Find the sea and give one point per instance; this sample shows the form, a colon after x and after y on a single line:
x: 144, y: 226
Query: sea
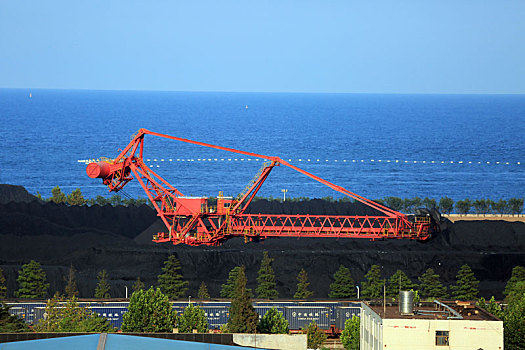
x: 375, y: 145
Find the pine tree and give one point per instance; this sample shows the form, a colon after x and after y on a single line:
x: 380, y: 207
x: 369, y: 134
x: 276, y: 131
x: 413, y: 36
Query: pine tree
x: 373, y: 286
x: 103, y: 287
x: 76, y: 198
x: 3, y: 286
x: 343, y: 286
x: 203, y: 293
x: 228, y: 289
x: 137, y: 285
x: 58, y: 196
x: 171, y: 282
x: 266, y: 279
x: 273, y: 322
x: 466, y: 287
x: 518, y: 275
x: 397, y: 282
x: 243, y: 317
x: 193, y: 318
x: 32, y: 281
x: 430, y: 286
x: 302, y: 286
x: 71, y: 289
x: 149, y: 311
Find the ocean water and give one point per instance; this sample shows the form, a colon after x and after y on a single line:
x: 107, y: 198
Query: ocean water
x: 461, y: 146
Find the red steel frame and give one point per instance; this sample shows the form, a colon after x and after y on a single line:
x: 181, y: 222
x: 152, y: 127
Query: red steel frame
x: 210, y: 226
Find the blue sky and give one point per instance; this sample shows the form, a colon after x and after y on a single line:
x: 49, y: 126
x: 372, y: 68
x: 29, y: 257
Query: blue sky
x: 417, y: 46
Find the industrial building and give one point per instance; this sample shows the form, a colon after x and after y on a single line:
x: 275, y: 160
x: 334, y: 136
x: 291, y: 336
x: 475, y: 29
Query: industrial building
x: 433, y: 325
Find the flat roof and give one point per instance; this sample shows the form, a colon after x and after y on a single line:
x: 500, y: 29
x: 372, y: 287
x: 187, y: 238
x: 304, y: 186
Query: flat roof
x: 468, y: 310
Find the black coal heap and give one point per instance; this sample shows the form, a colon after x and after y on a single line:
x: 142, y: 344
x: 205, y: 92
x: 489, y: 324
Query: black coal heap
x: 118, y: 239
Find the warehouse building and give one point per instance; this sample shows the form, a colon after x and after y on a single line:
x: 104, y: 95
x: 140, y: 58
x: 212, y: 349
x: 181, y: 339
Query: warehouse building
x: 436, y: 325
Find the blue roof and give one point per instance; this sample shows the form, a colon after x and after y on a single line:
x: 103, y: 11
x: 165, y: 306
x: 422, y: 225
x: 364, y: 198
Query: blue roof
x: 113, y: 342
x: 78, y: 342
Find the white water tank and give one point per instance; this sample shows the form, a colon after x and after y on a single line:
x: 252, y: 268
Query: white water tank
x: 406, y: 302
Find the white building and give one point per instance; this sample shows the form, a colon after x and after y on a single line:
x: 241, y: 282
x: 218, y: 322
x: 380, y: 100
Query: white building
x: 436, y: 326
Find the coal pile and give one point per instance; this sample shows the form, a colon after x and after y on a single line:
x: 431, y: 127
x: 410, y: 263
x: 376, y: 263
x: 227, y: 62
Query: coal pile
x: 118, y: 239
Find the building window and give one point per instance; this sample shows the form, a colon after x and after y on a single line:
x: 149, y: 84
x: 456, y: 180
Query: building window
x: 442, y: 338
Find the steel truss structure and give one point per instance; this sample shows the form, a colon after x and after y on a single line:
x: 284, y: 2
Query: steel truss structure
x: 195, y: 221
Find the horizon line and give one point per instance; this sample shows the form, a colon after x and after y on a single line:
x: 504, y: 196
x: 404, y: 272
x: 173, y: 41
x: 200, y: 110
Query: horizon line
x: 264, y: 92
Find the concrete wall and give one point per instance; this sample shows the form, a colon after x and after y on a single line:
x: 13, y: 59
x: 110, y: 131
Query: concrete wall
x: 421, y: 334
x: 272, y: 341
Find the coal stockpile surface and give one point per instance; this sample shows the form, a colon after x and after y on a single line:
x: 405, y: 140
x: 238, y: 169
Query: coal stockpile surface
x: 118, y: 239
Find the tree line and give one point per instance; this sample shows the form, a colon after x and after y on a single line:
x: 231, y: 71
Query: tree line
x: 150, y: 311
x: 77, y: 198
x: 446, y: 205
x: 33, y: 283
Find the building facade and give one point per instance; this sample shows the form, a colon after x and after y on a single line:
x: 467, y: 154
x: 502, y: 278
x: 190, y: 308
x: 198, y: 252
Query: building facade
x: 435, y: 326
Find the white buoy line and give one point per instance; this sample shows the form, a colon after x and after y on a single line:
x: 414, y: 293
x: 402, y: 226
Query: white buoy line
x: 317, y: 160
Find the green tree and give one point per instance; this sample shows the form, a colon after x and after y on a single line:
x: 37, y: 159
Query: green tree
x: 171, y: 282
x: 203, y: 291
x: 446, y: 205
x: 193, y: 318
x: 515, y: 205
x: 228, y: 289
x: 481, y: 206
x: 411, y: 204
x: 395, y: 203
x: 266, y: 279
x: 273, y: 322
x: 11, y: 323
x: 67, y: 316
x: 429, y: 203
x: 137, y: 285
x: 71, y: 289
x: 243, y: 317
x: 397, y: 282
x: 514, y: 318
x: 302, y: 286
x: 315, y: 336
x: 76, y: 198
x: 350, y: 335
x: 373, y: 286
x: 32, y: 281
x: 103, y: 288
x: 57, y: 196
x: 518, y: 275
x: 463, y: 206
x: 431, y: 286
x: 115, y: 200
x: 466, y: 287
x: 343, y: 286
x: 3, y: 286
x: 149, y: 311
x: 101, y: 200
x: 500, y: 207
x: 491, y: 306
